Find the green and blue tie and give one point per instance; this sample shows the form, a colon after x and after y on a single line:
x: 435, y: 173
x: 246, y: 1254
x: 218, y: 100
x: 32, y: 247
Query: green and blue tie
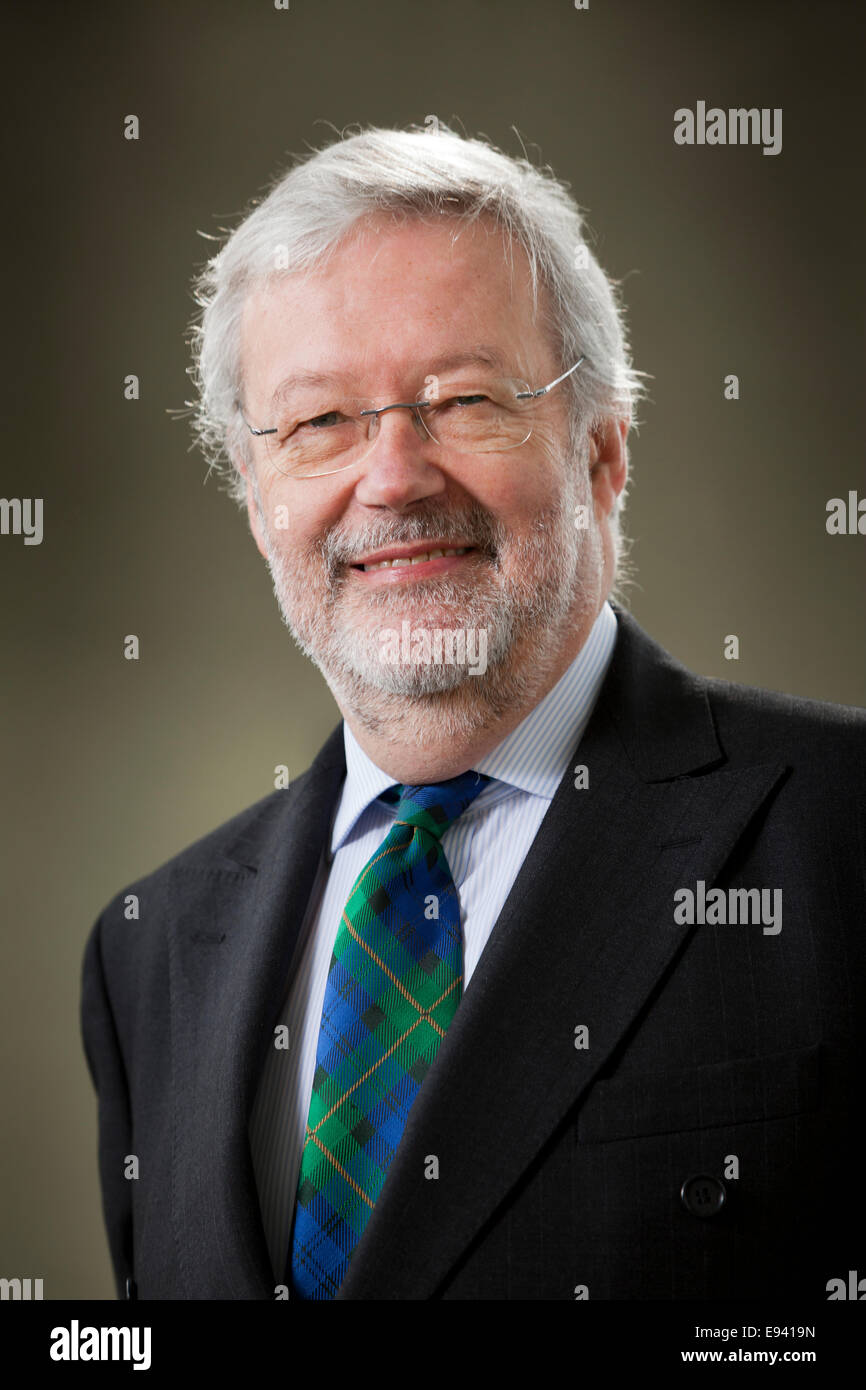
x: 393, y: 986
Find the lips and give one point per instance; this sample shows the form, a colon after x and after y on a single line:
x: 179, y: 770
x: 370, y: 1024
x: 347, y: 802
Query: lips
x: 401, y: 559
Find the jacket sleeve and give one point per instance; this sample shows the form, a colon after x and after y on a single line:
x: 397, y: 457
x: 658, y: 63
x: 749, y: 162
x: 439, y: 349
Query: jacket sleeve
x: 108, y: 1073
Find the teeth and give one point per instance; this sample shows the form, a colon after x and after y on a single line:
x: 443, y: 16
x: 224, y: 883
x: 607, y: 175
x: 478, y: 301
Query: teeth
x: 414, y: 559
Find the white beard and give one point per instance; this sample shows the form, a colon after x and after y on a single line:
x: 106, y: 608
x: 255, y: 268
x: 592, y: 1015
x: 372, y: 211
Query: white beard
x: 523, y: 594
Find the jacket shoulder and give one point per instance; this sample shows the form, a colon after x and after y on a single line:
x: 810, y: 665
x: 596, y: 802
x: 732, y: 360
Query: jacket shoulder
x: 220, y: 848
x: 772, y: 723
x: 655, y: 696
x: 233, y: 847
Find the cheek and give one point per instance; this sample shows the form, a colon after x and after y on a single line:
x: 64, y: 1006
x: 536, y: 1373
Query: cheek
x: 544, y: 476
x: 294, y: 519
x: 522, y: 481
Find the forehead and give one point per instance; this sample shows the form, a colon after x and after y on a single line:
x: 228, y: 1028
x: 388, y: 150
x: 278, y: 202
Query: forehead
x: 392, y: 296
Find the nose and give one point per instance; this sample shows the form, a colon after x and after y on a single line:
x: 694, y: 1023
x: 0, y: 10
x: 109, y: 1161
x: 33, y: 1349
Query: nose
x: 402, y: 465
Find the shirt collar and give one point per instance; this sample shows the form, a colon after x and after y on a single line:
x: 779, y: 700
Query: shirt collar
x: 533, y: 757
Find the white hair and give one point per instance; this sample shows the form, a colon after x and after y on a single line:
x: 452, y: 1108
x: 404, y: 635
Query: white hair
x: 313, y: 207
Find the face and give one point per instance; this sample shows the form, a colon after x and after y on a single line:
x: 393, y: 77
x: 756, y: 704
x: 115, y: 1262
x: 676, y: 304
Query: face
x: 390, y: 308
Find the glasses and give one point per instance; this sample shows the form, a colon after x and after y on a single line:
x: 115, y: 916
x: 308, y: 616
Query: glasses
x: 472, y: 410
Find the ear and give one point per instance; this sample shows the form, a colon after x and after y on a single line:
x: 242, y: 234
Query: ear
x: 608, y: 461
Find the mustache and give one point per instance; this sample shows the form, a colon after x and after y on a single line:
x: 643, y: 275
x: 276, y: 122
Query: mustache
x: 471, y: 525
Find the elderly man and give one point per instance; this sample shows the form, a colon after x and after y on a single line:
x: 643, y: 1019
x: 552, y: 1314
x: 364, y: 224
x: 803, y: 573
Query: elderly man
x: 543, y: 981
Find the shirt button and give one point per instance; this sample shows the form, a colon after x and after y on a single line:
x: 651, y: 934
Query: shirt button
x: 703, y: 1196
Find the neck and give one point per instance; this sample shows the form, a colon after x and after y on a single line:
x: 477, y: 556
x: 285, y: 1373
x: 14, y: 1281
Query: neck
x: 431, y: 738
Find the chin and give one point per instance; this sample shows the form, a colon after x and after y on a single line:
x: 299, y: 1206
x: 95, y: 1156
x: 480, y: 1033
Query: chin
x: 414, y: 682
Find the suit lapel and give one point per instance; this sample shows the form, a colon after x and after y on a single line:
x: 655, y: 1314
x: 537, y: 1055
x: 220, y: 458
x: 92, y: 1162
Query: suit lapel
x: 235, y: 926
x: 586, y: 934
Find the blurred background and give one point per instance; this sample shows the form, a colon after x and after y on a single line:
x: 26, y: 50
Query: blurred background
x: 730, y: 262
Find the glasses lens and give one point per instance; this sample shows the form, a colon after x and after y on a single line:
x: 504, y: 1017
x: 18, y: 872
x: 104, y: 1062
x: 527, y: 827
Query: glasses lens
x: 476, y: 413
x: 319, y: 434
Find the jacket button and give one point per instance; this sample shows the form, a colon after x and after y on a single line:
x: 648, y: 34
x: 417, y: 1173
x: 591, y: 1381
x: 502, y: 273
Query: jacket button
x: 703, y: 1196
x: 131, y: 1289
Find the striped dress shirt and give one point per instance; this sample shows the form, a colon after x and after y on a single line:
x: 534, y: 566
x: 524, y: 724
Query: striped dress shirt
x: 485, y: 850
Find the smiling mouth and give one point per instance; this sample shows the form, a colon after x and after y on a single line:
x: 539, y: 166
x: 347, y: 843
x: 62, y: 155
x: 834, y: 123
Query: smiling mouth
x: 422, y: 557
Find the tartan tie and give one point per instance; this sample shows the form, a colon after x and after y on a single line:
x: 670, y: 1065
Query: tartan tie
x: 393, y: 987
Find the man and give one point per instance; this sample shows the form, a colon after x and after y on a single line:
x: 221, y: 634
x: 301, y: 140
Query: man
x: 544, y: 981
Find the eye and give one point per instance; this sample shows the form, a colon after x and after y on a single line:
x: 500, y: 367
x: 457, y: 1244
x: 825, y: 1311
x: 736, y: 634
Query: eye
x: 318, y: 422
x: 474, y: 399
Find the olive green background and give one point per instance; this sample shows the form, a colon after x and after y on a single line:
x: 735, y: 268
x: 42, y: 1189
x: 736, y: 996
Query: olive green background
x: 732, y: 261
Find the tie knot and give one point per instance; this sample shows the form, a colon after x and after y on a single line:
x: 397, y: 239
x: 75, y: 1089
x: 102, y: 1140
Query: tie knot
x: 436, y: 805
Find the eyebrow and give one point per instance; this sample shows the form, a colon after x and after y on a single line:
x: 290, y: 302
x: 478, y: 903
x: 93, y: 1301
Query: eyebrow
x: 291, y: 383
x: 480, y: 353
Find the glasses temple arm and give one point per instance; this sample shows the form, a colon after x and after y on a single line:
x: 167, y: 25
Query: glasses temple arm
x: 543, y: 390
x: 252, y: 429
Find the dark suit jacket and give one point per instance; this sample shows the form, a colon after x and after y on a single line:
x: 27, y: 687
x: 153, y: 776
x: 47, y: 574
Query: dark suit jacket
x: 561, y: 1167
